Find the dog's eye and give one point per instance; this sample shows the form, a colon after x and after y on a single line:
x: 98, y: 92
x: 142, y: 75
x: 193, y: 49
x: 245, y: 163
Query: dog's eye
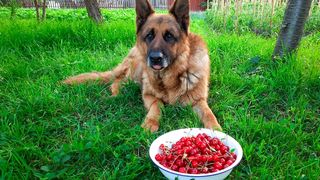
x: 149, y: 37
x: 169, y: 37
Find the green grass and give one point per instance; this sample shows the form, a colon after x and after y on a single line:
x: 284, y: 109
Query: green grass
x: 48, y: 130
x: 257, y: 22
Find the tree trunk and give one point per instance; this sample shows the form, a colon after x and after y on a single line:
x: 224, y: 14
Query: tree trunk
x: 292, y: 26
x: 93, y: 10
x: 37, y: 9
x: 44, y: 6
x: 13, y: 7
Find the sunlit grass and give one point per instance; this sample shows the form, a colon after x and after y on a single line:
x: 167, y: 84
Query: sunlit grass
x: 48, y: 130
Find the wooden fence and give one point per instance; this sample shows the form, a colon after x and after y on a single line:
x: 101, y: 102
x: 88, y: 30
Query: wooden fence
x: 195, y: 5
x: 260, y: 12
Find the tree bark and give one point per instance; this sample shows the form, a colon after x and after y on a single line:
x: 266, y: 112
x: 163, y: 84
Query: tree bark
x: 13, y: 7
x: 93, y: 10
x: 292, y: 27
x: 44, y: 6
x: 37, y: 9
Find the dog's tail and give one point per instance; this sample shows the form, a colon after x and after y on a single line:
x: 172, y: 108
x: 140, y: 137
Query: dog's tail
x: 85, y: 77
x: 116, y: 74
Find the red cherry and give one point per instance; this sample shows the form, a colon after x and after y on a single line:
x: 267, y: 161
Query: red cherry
x: 161, y: 146
x: 179, y: 162
x: 178, y: 146
x: 159, y: 157
x: 193, y: 151
x: 180, y: 151
x: 194, y: 163
x: 217, y: 165
x: 234, y: 155
x: 225, y: 166
x: 204, y: 135
x: 196, y: 154
x: 163, y: 162
x: 198, y: 157
x: 206, y: 151
x: 208, y: 138
x: 188, y: 149
x: 213, y: 142
x: 217, y: 147
x: 175, y: 167
x: 203, y: 158
x: 193, y: 171
x: 229, y: 162
x: 202, y: 145
x: 205, y: 170
x: 223, y: 149
x: 192, y: 158
x: 182, y: 170
x: 215, y: 157
x: 200, y: 136
x: 169, y: 157
x: 222, y: 161
x: 215, y: 170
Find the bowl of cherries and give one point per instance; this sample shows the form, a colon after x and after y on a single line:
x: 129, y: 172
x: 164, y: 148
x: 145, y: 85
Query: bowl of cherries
x: 195, y: 153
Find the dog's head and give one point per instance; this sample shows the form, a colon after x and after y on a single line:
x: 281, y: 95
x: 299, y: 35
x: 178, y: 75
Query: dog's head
x: 160, y: 36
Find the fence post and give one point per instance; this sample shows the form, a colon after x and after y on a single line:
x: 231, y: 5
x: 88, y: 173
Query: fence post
x: 237, y: 15
x: 262, y: 12
x: 225, y: 14
x: 254, y: 7
x: 272, y: 12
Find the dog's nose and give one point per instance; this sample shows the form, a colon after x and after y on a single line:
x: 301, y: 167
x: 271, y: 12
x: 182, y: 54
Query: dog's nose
x: 155, y: 56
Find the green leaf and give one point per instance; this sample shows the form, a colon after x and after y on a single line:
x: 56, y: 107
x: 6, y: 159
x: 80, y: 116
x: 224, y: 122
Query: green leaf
x: 65, y: 158
x: 45, y: 168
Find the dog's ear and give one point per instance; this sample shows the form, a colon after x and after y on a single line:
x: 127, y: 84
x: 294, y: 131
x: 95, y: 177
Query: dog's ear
x: 143, y: 11
x: 180, y: 10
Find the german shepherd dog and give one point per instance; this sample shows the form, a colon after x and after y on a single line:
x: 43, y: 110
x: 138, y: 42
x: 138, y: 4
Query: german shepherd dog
x: 171, y: 64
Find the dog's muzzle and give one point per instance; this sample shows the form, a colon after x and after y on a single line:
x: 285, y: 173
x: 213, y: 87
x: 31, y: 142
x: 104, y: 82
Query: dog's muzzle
x: 157, y: 60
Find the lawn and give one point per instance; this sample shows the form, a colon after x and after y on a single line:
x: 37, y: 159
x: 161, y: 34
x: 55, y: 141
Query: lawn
x: 49, y: 130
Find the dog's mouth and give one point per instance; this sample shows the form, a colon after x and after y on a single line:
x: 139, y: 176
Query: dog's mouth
x: 157, y: 67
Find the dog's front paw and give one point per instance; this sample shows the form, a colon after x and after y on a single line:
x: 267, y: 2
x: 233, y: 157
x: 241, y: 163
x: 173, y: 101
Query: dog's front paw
x: 150, y: 124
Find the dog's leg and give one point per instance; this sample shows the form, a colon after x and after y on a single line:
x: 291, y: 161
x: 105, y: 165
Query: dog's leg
x: 208, y: 119
x: 151, y: 121
x: 115, y: 86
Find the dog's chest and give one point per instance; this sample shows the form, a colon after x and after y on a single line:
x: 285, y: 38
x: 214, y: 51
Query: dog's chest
x: 172, y: 87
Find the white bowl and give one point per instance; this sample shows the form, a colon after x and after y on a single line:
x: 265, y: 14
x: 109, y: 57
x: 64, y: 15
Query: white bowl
x: 173, y: 136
